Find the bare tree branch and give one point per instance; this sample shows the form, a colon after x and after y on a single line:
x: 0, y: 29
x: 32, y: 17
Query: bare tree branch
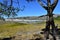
x: 48, y: 3
x: 44, y: 2
x: 39, y: 1
x: 54, y: 4
x: 11, y: 2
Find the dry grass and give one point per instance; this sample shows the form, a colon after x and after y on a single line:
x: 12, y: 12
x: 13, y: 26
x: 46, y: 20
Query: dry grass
x: 8, y: 29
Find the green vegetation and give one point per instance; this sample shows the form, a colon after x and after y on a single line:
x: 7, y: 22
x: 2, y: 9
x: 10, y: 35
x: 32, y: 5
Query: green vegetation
x: 11, y: 28
x: 57, y: 21
x: 8, y: 29
x: 58, y: 18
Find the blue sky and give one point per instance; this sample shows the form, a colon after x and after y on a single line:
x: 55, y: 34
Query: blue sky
x: 34, y: 9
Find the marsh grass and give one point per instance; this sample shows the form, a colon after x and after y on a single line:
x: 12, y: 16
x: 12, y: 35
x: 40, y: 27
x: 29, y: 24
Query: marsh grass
x: 8, y: 29
x: 12, y: 28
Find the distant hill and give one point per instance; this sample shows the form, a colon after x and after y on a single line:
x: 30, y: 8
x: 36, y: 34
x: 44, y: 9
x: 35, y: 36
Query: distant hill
x: 43, y: 17
x: 32, y: 19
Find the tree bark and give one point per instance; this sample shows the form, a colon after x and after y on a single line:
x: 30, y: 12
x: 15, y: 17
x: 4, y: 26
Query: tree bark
x: 50, y: 22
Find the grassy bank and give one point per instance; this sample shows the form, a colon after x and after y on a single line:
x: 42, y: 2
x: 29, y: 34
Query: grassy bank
x: 8, y: 29
x: 57, y: 21
x: 11, y: 28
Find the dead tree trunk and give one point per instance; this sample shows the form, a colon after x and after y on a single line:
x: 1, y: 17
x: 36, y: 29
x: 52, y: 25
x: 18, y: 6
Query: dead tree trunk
x: 50, y: 21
